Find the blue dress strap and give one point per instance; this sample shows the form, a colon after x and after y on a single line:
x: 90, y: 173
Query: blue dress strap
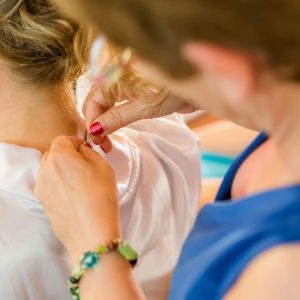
x: 224, y: 192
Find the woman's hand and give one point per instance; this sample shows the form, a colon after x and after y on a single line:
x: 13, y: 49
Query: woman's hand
x: 99, y: 110
x: 78, y: 190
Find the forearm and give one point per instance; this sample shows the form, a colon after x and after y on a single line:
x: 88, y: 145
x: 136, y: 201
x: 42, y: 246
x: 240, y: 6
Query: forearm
x: 112, y: 279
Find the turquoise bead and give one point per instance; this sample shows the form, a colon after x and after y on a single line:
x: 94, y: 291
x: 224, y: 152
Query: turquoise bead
x: 90, y: 260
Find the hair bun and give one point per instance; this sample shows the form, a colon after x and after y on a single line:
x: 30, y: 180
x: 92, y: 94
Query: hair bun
x: 40, y: 44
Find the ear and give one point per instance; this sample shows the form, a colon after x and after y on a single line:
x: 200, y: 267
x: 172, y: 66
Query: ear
x: 232, y: 70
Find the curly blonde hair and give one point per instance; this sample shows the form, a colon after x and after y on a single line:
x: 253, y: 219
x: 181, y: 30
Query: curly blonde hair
x: 41, y: 45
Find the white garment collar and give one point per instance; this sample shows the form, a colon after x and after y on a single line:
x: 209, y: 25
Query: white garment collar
x: 18, y: 169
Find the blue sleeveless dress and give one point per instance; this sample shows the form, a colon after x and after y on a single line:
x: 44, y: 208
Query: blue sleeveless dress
x: 227, y: 235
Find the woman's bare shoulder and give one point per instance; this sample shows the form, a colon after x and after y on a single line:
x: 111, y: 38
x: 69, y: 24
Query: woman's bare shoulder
x: 272, y: 275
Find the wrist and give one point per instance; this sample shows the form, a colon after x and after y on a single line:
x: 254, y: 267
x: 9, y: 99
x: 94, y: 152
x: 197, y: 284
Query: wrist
x: 91, y: 259
x: 90, y: 241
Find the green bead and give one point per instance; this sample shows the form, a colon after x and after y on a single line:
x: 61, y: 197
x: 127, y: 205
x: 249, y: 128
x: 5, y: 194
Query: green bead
x: 75, y: 293
x: 127, y: 252
x: 74, y: 280
x: 76, y: 297
x: 77, y: 272
x: 101, y: 250
x: 74, y: 290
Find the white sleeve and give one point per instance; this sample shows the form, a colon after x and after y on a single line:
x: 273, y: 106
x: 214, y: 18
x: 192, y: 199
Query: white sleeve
x: 34, y: 278
x: 157, y: 165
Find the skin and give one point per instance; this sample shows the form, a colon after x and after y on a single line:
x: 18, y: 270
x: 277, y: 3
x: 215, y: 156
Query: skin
x: 225, y: 137
x: 112, y: 117
x: 27, y: 111
x: 231, y: 85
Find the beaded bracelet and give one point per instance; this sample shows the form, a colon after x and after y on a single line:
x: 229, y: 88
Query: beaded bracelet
x: 91, y: 259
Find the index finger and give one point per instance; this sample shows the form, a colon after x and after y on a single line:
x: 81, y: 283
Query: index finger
x: 66, y: 142
x: 95, y: 104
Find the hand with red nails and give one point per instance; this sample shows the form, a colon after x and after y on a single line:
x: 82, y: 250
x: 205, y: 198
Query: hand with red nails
x: 103, y: 117
x: 78, y: 190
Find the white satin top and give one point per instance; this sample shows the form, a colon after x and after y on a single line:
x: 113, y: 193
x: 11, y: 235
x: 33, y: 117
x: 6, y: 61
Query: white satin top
x: 158, y: 174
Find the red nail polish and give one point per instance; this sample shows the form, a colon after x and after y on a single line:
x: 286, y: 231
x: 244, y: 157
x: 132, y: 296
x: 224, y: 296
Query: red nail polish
x: 96, y: 129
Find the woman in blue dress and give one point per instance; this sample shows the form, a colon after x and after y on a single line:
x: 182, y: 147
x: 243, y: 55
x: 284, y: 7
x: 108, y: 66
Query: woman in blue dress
x: 238, y: 59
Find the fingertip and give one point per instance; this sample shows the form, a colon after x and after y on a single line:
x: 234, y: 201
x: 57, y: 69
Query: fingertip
x: 89, y: 154
x: 85, y: 149
x: 97, y: 140
x: 65, y: 142
x: 106, y: 144
x: 87, y: 145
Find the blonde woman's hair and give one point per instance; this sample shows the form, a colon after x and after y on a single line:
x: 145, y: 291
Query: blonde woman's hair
x: 39, y: 44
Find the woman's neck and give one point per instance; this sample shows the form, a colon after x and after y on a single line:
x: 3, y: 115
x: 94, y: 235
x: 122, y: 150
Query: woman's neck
x: 276, y: 163
x: 31, y: 117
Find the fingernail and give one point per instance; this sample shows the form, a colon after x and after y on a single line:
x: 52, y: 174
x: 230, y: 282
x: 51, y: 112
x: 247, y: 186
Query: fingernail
x: 88, y: 145
x: 96, y: 129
